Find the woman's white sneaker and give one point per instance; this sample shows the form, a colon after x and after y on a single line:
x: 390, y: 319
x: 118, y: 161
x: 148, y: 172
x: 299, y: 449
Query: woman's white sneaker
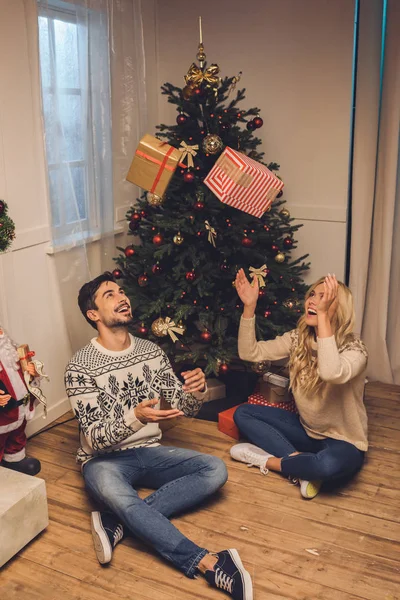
x: 251, y: 455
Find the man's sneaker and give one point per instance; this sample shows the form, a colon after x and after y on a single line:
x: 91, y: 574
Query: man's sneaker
x: 106, y: 533
x: 230, y: 575
x: 252, y: 455
x: 309, y: 489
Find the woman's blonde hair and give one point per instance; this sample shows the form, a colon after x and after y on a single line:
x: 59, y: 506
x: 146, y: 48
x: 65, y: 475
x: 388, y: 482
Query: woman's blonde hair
x: 302, y: 365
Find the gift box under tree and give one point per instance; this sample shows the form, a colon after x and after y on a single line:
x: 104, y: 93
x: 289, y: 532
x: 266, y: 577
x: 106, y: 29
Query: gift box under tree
x: 275, y: 397
x: 243, y: 183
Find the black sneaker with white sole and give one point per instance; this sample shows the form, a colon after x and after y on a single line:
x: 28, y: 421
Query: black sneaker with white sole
x: 106, y: 533
x: 230, y: 575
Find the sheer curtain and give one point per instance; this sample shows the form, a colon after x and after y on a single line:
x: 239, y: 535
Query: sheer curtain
x: 375, y: 249
x: 92, y: 69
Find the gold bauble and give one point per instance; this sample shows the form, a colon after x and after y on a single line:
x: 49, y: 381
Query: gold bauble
x: 178, y: 239
x: 154, y: 200
x: 157, y: 327
x: 234, y: 283
x: 280, y: 257
x: 285, y: 213
x: 182, y: 326
x: 261, y: 367
x: 212, y: 144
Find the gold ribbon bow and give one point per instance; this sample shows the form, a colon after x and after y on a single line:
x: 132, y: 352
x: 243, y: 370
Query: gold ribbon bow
x: 259, y: 274
x: 188, y: 152
x: 169, y: 327
x: 195, y: 76
x: 212, y: 234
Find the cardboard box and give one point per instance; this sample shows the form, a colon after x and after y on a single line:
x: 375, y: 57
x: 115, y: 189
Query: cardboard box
x: 226, y: 424
x: 216, y: 390
x: 153, y: 165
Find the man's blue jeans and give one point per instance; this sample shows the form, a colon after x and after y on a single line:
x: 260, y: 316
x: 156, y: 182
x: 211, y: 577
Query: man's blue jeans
x: 182, y: 479
x: 280, y: 433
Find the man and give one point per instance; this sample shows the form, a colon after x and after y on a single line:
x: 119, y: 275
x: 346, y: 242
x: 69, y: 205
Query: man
x: 115, y: 384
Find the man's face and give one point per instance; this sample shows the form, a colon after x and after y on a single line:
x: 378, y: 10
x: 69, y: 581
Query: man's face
x: 113, y: 306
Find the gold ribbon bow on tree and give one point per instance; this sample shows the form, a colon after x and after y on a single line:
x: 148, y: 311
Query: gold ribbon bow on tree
x: 259, y: 274
x: 169, y: 327
x: 212, y: 234
x: 188, y: 152
x: 195, y: 76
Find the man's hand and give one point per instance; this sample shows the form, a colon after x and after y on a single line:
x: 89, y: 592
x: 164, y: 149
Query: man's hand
x: 195, y: 381
x: 31, y: 370
x: 4, y: 398
x: 147, y: 414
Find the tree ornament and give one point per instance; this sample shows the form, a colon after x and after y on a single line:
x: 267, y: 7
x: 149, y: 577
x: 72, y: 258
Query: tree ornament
x: 199, y: 205
x: 275, y: 248
x: 182, y: 326
x: 188, y: 92
x: 280, y: 257
x: 158, y: 327
x: 178, y: 239
x: 133, y: 226
x: 190, y: 275
x: 288, y: 242
x: 261, y: 293
x: 225, y: 126
x: 261, y: 367
x: 250, y: 125
x: 223, y: 368
x: 136, y: 217
x: 181, y: 119
x: 247, y: 242
x: 212, y: 144
x: 212, y: 234
x: 266, y: 227
x: 158, y: 239
x: 142, y: 329
x: 258, y: 122
x: 280, y: 194
x: 129, y: 251
x: 154, y: 200
x: 143, y: 280
x: 267, y: 314
x: 156, y: 269
x: 188, y: 177
x: 259, y: 274
x: 143, y: 214
x: 206, y: 336
x: 224, y: 267
x: 285, y: 213
x: 117, y: 274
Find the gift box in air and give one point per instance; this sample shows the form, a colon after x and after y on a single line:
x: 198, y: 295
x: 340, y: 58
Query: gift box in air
x: 243, y: 183
x: 227, y: 425
x: 153, y: 165
x: 273, y: 397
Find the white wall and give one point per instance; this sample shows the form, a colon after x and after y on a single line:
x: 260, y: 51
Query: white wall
x: 296, y: 58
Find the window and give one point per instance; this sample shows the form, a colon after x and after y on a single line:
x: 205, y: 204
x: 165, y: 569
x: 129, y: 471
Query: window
x: 73, y: 46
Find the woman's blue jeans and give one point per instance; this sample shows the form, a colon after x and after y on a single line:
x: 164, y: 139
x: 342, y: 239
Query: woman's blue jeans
x: 182, y: 479
x: 280, y: 433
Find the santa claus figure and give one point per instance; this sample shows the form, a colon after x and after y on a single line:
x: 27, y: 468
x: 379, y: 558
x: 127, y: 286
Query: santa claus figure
x: 16, y: 406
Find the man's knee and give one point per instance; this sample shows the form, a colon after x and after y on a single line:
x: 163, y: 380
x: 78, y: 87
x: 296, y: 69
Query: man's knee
x: 216, y: 470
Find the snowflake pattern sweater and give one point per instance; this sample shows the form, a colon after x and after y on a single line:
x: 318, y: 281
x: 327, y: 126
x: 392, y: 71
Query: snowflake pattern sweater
x: 104, y: 387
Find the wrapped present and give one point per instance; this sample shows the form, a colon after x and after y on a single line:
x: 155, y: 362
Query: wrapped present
x: 243, y: 183
x: 153, y: 165
x: 274, y: 396
x: 216, y: 390
x: 227, y: 425
x: 25, y: 356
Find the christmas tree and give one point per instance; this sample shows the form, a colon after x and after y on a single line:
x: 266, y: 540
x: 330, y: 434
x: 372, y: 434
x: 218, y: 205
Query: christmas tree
x: 188, y: 246
x: 7, y: 227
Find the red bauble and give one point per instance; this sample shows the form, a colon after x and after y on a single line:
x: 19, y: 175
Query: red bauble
x: 143, y: 280
x: 158, y: 239
x: 181, y: 119
x: 247, y: 242
x: 280, y: 194
x: 266, y: 227
x: 199, y: 205
x: 288, y: 242
x: 223, y: 368
x: 205, y: 337
x: 225, y: 126
x: 117, y: 274
x: 143, y: 214
x: 156, y: 269
x: 258, y: 122
x: 261, y: 293
x: 274, y: 248
x: 267, y: 314
x: 136, y: 217
x: 129, y: 251
x: 201, y: 233
x: 133, y: 226
x: 250, y: 126
x: 188, y: 177
x: 142, y: 330
x: 190, y: 276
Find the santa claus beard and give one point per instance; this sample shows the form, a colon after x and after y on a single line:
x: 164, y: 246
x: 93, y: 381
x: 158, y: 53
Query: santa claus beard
x: 8, y: 352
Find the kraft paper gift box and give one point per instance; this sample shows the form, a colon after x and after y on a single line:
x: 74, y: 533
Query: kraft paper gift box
x: 226, y: 424
x: 153, y: 165
x: 243, y: 183
x: 215, y: 390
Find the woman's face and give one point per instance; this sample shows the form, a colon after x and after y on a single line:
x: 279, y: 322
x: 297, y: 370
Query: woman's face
x: 312, y: 304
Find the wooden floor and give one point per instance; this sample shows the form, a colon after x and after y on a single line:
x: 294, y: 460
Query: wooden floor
x: 339, y: 546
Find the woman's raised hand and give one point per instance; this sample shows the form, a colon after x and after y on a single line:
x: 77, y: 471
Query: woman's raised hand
x: 247, y: 293
x: 330, y: 294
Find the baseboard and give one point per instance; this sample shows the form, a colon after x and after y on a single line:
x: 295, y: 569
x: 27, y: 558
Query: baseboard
x: 53, y: 412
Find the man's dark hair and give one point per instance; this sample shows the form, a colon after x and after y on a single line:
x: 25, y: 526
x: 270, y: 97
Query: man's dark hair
x: 87, y: 294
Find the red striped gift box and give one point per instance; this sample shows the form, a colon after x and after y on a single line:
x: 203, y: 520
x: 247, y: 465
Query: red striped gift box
x: 243, y: 183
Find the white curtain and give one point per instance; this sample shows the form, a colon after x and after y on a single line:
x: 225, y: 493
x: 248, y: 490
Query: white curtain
x: 92, y: 67
x: 375, y: 248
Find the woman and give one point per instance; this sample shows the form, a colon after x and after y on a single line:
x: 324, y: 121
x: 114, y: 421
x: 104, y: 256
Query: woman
x: 327, y: 365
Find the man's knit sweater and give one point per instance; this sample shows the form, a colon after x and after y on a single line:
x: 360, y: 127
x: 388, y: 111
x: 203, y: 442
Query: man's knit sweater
x: 105, y: 386
x: 336, y: 409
